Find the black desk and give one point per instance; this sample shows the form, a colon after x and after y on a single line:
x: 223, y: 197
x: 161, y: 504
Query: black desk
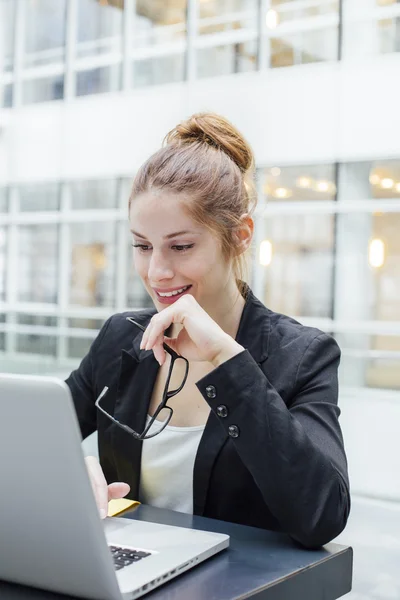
x: 258, y: 564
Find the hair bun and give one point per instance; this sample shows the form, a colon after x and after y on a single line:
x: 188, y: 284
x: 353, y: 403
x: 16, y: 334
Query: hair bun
x: 217, y: 132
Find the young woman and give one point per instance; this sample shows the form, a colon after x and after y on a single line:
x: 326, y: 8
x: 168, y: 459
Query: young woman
x: 244, y: 427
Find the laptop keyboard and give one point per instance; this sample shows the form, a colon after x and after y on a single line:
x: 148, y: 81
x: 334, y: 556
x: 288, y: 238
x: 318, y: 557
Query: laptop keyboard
x: 126, y: 556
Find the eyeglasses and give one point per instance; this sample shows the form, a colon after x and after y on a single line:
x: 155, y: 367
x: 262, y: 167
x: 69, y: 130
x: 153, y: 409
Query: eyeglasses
x: 156, y: 425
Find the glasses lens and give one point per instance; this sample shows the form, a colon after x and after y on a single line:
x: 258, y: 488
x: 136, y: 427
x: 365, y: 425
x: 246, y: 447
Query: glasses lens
x: 160, y: 422
x: 179, y: 373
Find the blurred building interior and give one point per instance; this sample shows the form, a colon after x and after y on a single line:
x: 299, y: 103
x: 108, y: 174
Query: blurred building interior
x: 88, y: 89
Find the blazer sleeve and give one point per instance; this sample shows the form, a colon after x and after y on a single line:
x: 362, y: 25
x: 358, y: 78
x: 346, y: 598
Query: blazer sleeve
x: 82, y: 383
x: 295, y: 453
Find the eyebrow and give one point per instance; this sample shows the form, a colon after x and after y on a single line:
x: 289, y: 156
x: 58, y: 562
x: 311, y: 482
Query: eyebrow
x: 169, y: 236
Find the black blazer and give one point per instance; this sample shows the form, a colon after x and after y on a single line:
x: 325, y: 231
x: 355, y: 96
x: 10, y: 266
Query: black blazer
x: 282, y: 467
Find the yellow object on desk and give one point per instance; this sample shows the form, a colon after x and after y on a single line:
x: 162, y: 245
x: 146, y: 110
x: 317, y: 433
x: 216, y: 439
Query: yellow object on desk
x: 121, y: 505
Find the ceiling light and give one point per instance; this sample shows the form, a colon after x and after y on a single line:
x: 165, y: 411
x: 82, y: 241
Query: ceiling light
x: 387, y: 183
x: 397, y: 187
x: 265, y: 255
x: 275, y: 171
x: 376, y: 253
x: 282, y: 193
x: 323, y: 185
x: 304, y: 182
x: 374, y: 179
x: 272, y: 19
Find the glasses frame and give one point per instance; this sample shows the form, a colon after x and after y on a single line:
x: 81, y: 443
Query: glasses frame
x: 167, y: 394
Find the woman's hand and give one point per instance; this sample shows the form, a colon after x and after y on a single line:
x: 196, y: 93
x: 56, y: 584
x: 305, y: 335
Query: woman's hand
x: 102, y: 491
x: 199, y: 339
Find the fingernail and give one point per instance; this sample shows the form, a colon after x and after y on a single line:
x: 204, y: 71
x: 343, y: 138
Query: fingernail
x: 103, y: 513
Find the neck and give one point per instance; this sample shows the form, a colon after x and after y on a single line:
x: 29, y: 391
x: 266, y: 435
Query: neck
x: 228, y: 312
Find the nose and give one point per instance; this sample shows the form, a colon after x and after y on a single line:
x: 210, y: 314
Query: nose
x: 159, y: 268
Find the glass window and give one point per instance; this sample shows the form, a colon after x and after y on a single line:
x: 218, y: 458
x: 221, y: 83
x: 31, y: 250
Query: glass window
x: 225, y: 60
x: 7, y: 28
x: 283, y: 11
x: 216, y: 16
x: 93, y: 247
x: 306, y: 183
x: 98, y: 81
x: 158, y: 69
x: 44, y: 31
x: 45, y: 89
x: 39, y: 197
x: 38, y: 263
x: 369, y: 360
x: 3, y: 263
x: 159, y: 22
x: 137, y: 296
x: 99, y: 27
x: 94, y: 194
x: 33, y: 343
x: 77, y: 347
x: 298, y: 278
x: 7, y: 96
x: 85, y: 323
x: 384, y: 179
x: 303, y: 47
x: 41, y: 320
x: 4, y: 193
x: 2, y: 341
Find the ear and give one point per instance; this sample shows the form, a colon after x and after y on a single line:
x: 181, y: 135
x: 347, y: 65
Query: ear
x: 244, y: 233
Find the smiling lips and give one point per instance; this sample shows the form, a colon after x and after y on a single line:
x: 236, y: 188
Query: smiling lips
x: 170, y: 295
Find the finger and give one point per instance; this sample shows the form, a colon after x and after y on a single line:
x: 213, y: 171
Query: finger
x: 118, y: 489
x: 99, y: 484
x: 158, y: 325
x: 159, y: 353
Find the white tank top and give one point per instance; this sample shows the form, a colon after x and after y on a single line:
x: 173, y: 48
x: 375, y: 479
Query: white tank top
x: 166, y: 478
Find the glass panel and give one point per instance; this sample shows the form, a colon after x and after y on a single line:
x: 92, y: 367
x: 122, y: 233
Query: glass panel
x: 45, y: 31
x: 137, y: 296
x: 41, y: 320
x: 306, y: 183
x: 216, y: 16
x: 304, y: 47
x: 158, y: 69
x: 38, y: 263
x: 384, y: 178
x: 286, y: 10
x: 368, y: 37
x: 224, y: 60
x: 38, y: 197
x: 32, y: 343
x: 99, y: 27
x: 159, y: 22
x: 3, y: 263
x: 85, y: 323
x: 2, y: 341
x: 43, y: 90
x: 369, y: 360
x: 93, y: 247
x: 94, y: 194
x: 7, y: 96
x: 4, y: 193
x: 78, y: 347
x: 298, y: 279
x: 7, y: 28
x: 98, y: 81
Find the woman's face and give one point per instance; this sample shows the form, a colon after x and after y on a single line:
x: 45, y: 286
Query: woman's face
x: 174, y: 255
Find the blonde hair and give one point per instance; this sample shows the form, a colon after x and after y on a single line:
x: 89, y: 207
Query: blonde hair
x: 206, y: 159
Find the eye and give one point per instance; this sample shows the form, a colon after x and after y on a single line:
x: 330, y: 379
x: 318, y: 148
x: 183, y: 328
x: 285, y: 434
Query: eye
x: 182, y: 247
x: 142, y: 247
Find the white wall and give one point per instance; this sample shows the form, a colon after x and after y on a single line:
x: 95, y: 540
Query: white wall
x: 305, y: 114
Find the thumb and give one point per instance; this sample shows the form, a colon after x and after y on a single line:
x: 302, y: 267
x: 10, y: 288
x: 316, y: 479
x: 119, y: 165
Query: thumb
x: 117, y: 490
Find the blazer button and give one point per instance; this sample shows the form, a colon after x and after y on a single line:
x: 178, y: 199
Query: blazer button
x: 233, y: 431
x: 222, y: 411
x: 211, y: 391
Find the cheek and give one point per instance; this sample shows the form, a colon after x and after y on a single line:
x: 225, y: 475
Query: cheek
x: 140, y: 264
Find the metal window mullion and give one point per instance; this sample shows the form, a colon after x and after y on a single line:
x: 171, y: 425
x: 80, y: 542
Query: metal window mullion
x: 19, y: 49
x: 192, y: 16
x: 129, y: 21
x: 63, y: 273
x: 12, y: 273
x: 263, y: 59
x: 70, y: 48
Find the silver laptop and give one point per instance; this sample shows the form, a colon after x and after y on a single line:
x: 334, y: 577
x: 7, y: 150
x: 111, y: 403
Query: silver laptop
x: 51, y: 535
